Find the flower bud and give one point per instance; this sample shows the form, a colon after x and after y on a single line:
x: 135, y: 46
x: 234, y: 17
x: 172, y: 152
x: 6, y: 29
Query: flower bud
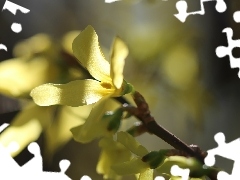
x: 127, y: 88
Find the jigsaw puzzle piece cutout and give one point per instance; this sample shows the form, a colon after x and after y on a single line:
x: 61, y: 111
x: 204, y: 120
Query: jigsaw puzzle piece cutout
x: 12, y: 7
x: 236, y: 16
x: 33, y: 169
x: 220, y: 6
x: 227, y: 150
x: 210, y: 158
x: 225, y: 176
x: 85, y: 177
x: 177, y: 171
x: 182, y: 6
x: 157, y: 178
x: 235, y: 172
x: 63, y: 164
x: 222, y: 51
x: 6, y: 160
x: 35, y: 164
x: 182, y: 15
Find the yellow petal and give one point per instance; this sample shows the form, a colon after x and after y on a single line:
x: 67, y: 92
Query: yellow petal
x: 35, y: 44
x: 147, y: 175
x: 119, y: 53
x: 59, y: 132
x: 134, y: 166
x: 18, y: 76
x: 68, y: 39
x: 74, y: 93
x: 86, y: 49
x: 93, y: 127
x: 130, y: 142
x: 112, y: 152
x: 26, y: 127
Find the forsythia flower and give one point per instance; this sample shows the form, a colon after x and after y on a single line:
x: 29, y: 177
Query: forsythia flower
x: 135, y: 165
x: 112, y: 152
x: 108, y: 78
x: 26, y: 127
x: 39, y: 60
x: 32, y: 56
x: 95, y: 126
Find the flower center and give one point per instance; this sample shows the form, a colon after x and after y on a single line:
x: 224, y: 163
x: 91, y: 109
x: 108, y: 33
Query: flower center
x: 106, y: 85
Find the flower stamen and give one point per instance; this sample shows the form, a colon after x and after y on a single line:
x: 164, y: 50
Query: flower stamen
x: 106, y: 85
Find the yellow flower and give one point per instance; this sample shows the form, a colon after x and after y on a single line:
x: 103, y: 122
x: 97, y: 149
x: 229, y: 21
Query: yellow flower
x: 26, y: 127
x: 108, y: 78
x: 135, y: 165
x: 112, y: 152
x: 38, y: 60
x: 53, y: 121
x: 15, y: 77
x: 98, y: 124
x: 93, y: 127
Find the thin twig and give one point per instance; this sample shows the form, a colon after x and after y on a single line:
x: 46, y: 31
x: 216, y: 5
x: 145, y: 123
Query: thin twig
x: 142, y: 112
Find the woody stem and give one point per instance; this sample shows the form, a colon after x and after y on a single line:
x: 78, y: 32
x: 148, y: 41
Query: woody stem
x: 143, y: 114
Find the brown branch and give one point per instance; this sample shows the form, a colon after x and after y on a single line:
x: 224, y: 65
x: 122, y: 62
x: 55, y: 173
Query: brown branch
x: 137, y: 129
x: 156, y: 129
x: 142, y: 112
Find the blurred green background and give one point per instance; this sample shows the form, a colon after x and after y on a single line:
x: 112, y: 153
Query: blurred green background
x: 190, y: 91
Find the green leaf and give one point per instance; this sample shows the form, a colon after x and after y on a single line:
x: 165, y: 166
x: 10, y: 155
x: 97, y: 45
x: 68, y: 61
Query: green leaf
x: 127, y: 88
x: 154, y: 158
x: 114, y: 119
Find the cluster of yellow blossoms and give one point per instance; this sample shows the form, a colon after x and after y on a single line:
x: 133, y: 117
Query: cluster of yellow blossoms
x: 121, y: 153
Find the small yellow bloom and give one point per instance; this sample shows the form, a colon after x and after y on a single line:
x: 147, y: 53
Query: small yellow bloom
x: 108, y: 78
x: 99, y: 123
x: 135, y: 165
x: 53, y: 121
x: 39, y: 44
x: 19, y: 76
x: 57, y: 133
x: 26, y: 126
x: 39, y: 60
x: 94, y: 127
x: 112, y: 152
